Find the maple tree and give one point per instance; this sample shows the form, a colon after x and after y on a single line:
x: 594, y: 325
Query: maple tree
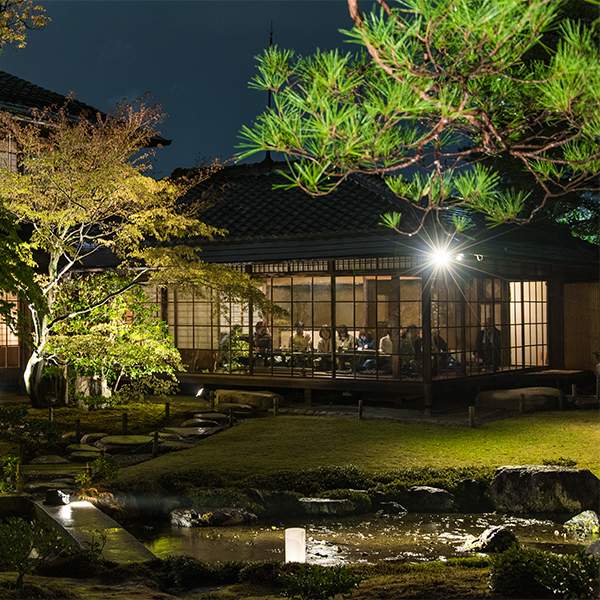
x: 81, y: 198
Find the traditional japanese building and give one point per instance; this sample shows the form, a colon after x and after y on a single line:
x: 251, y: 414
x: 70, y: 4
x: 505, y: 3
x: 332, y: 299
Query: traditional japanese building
x: 329, y: 262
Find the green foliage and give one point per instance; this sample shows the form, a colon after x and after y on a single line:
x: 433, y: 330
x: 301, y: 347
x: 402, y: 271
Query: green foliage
x: 398, y: 481
x: 106, y: 467
x: 19, y: 537
x: 9, y: 473
x: 434, y: 86
x: 262, y: 572
x: 312, y: 582
x: 560, y: 462
x: 524, y: 573
x: 312, y: 481
x: 121, y: 337
x: 17, y: 426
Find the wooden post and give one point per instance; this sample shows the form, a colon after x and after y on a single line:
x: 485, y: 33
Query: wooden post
x: 574, y: 392
x: 50, y: 414
x: 308, y: 397
x: 18, y: 479
x: 167, y: 412
x: 22, y: 453
x: 77, y: 431
x: 88, y: 469
x: 472, y: 416
x: 155, y: 445
x: 521, y: 404
x: 360, y: 409
x: 230, y: 417
x: 275, y: 406
x: 125, y: 424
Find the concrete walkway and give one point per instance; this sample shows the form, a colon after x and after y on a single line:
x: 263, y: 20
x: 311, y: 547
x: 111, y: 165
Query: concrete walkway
x: 84, y: 524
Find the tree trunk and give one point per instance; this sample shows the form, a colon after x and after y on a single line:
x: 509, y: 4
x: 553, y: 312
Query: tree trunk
x: 34, y: 383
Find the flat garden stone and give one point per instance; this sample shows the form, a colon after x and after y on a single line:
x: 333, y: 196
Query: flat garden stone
x: 90, y: 438
x: 49, y: 459
x: 125, y: 443
x: 187, y: 432
x: 83, y: 457
x: 199, y: 423
x: 82, y: 448
x: 170, y: 446
x: 261, y: 400
x: 211, y: 416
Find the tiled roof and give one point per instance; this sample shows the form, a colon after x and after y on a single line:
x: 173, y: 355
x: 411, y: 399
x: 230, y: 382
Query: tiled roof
x: 249, y: 205
x: 266, y: 223
x: 18, y: 96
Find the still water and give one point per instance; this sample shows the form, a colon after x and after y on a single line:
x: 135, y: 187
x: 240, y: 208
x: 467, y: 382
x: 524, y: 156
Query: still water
x: 410, y: 537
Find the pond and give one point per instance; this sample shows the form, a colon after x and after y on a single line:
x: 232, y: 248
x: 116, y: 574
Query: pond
x: 367, y: 538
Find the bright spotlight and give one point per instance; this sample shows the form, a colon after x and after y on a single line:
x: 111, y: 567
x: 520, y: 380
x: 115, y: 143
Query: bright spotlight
x: 200, y: 392
x: 441, y: 257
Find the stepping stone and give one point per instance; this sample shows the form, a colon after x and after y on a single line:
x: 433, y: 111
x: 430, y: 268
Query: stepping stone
x: 199, y: 423
x: 43, y: 486
x: 91, y: 438
x: 170, y: 446
x: 82, y: 448
x: 163, y: 436
x: 238, y: 409
x: 50, y: 459
x: 84, y: 457
x: 211, y: 416
x: 125, y: 443
x: 186, y: 432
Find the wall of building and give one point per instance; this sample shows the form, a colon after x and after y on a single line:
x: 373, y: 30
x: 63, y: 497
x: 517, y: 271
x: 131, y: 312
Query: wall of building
x: 582, y: 324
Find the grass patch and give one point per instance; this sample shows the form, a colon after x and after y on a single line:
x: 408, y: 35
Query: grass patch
x: 264, y: 446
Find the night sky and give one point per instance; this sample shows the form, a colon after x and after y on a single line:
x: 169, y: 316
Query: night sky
x: 196, y: 57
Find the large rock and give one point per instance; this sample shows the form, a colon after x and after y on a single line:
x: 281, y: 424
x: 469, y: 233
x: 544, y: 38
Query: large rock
x: 535, y: 398
x: 493, y: 539
x: 542, y: 488
x: 217, y: 517
x: 426, y: 499
x: 327, y: 506
x: 585, y: 523
x: 260, y: 400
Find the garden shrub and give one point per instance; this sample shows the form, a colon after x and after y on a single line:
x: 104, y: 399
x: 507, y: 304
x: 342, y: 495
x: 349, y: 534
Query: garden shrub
x: 264, y: 572
x: 312, y: 582
x: 524, y: 573
x: 184, y: 571
x: 312, y: 481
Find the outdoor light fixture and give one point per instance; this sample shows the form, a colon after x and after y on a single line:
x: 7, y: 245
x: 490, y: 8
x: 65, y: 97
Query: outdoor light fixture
x: 200, y: 392
x: 295, y: 545
x: 441, y: 257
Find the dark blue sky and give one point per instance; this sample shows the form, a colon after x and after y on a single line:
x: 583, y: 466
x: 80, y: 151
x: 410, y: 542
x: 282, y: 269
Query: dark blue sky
x: 196, y: 57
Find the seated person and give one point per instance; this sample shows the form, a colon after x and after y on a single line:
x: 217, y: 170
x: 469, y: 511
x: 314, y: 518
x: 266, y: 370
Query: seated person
x: 299, y: 341
x: 262, y: 341
x: 344, y: 342
x: 487, y: 346
x: 365, y: 342
x: 386, y: 347
x: 439, y: 351
x: 324, y: 346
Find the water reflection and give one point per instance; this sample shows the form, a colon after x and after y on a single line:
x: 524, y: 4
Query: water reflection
x: 409, y: 538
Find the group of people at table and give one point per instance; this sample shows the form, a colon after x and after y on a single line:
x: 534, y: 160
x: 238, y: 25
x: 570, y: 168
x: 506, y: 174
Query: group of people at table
x: 363, y: 354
